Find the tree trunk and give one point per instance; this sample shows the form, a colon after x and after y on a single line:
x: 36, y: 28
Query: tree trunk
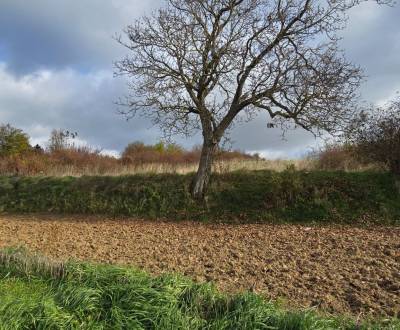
x: 397, y: 183
x: 395, y: 167
x: 202, y: 178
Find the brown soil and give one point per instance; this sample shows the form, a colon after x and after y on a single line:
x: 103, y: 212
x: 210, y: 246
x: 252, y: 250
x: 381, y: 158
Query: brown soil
x: 339, y: 269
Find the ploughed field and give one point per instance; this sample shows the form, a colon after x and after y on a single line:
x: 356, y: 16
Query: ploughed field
x: 343, y: 270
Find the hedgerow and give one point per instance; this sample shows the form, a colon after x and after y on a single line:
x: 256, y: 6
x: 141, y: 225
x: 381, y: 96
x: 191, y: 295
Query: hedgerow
x: 257, y: 196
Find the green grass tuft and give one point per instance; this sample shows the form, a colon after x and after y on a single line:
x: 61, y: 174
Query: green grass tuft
x: 89, y: 296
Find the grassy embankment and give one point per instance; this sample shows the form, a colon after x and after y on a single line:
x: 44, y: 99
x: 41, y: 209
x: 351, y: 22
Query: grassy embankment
x: 257, y: 196
x: 36, y: 293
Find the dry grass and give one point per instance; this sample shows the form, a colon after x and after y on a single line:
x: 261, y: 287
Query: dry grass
x: 31, y: 264
x: 342, y: 157
x: 136, y: 159
x: 159, y: 159
x: 114, y: 167
x: 161, y: 168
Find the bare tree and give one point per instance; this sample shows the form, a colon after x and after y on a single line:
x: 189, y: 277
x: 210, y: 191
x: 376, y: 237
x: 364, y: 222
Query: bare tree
x: 201, y: 64
x: 61, y: 139
x: 375, y: 134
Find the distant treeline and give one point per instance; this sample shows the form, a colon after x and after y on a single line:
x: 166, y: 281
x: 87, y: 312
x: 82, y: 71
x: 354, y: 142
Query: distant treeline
x: 62, y: 153
x: 377, y: 148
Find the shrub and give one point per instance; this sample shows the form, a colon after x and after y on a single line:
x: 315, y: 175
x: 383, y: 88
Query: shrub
x: 376, y: 135
x: 61, y: 162
x: 13, y: 141
x: 340, y: 157
x: 260, y: 196
x: 139, y: 153
x: 63, y: 156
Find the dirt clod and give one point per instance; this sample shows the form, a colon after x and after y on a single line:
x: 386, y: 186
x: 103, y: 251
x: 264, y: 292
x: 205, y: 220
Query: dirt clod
x: 343, y: 270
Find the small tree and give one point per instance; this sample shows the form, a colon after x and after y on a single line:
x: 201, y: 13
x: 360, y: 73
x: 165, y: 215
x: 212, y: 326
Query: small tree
x: 376, y: 135
x: 13, y: 141
x: 61, y: 140
x: 202, y: 64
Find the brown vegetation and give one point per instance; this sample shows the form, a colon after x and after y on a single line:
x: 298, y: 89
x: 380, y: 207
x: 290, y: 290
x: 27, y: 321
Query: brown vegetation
x: 63, y: 157
x: 137, y: 158
x: 62, y: 162
x: 342, y: 157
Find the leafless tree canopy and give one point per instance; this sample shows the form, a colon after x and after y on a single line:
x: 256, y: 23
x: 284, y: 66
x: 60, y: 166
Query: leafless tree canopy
x: 199, y: 64
x: 375, y: 133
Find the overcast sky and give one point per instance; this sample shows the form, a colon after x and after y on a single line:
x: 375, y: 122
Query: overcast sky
x: 56, y: 71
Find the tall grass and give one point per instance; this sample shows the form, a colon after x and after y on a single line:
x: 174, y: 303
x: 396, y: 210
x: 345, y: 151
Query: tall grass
x: 158, y: 159
x: 220, y: 167
x: 89, y: 296
x: 34, y: 165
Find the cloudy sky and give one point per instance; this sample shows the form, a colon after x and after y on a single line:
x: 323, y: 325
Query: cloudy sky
x: 56, y: 71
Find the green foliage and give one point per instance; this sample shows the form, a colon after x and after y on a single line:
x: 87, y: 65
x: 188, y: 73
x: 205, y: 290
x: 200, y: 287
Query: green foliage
x: 89, y: 296
x: 161, y: 152
x: 257, y: 196
x: 160, y: 146
x: 13, y: 141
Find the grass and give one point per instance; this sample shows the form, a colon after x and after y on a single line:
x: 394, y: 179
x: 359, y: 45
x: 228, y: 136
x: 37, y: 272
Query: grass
x: 35, y: 165
x: 36, y: 293
x: 242, y: 196
x: 220, y: 167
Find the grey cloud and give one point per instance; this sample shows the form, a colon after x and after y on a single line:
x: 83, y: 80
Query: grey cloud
x: 55, y: 34
x: 257, y: 137
x: 70, y: 100
x: 372, y: 40
x: 59, y: 58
